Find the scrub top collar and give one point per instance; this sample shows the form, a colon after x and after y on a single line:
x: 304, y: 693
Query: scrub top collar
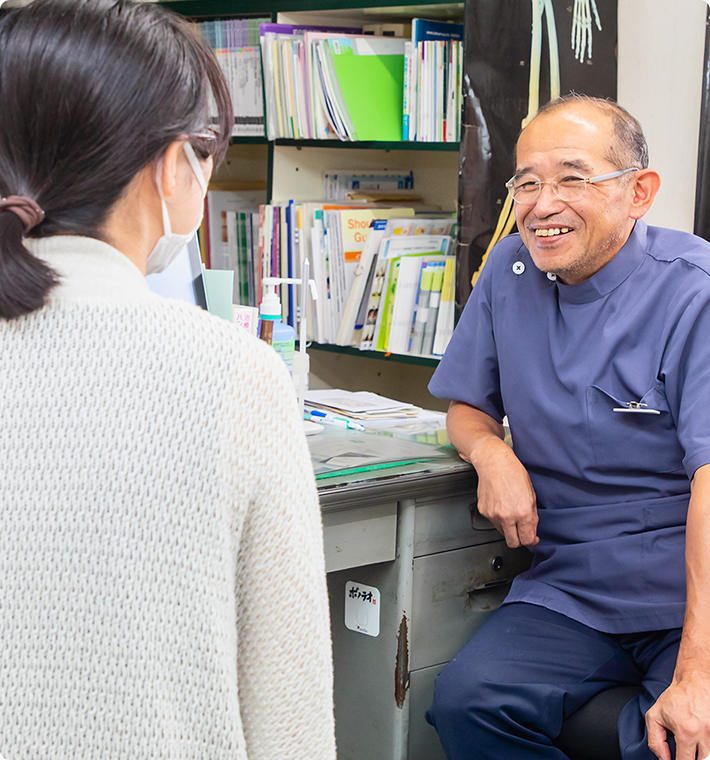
x: 610, y: 276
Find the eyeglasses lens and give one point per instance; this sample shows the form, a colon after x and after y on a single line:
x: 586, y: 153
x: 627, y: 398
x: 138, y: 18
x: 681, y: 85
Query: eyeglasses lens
x: 567, y: 187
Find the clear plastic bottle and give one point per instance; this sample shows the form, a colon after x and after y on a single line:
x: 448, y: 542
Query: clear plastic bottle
x: 272, y: 330
x: 284, y: 342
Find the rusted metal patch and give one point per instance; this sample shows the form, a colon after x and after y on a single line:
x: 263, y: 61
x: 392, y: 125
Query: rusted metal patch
x: 401, y: 666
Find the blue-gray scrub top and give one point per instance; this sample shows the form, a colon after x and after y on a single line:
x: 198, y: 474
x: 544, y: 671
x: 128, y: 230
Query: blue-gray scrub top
x: 559, y: 360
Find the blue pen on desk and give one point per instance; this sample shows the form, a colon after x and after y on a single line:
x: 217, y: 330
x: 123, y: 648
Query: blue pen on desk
x: 330, y: 419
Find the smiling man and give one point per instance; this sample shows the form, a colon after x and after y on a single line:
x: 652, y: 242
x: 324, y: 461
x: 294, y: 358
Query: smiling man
x: 590, y: 331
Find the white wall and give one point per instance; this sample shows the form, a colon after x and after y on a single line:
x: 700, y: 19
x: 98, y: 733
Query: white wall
x: 661, y: 47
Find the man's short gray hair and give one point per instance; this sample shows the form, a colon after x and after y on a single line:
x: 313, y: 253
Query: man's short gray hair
x: 629, y: 148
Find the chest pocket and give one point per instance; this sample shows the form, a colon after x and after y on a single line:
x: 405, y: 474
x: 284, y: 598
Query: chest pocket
x: 633, y: 440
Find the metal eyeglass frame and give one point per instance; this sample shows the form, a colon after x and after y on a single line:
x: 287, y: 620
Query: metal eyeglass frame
x: 553, y: 183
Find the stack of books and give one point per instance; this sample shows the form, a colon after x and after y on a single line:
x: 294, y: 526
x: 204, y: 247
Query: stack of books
x: 335, y: 83
x: 229, y: 238
x: 385, y: 277
x: 403, y: 300
x: 433, y: 82
x: 236, y: 45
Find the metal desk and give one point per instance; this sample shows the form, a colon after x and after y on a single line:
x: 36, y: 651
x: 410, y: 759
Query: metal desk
x: 413, y: 533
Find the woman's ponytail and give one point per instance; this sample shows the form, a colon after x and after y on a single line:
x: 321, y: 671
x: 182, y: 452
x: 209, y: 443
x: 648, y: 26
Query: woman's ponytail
x: 25, y: 280
x: 98, y: 89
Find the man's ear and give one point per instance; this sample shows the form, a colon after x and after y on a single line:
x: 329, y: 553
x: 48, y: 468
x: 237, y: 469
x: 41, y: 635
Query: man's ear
x: 646, y: 184
x: 170, y: 168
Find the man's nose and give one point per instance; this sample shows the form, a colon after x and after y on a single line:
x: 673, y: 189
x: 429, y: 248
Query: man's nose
x: 548, y: 202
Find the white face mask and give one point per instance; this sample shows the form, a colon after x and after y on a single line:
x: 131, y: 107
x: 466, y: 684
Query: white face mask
x: 171, y: 243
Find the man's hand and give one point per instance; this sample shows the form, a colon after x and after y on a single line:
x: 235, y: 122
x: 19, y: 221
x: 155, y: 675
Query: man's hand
x: 684, y: 707
x: 684, y: 710
x: 505, y: 494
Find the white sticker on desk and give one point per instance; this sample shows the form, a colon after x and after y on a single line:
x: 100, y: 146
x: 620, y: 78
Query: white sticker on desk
x: 362, y: 608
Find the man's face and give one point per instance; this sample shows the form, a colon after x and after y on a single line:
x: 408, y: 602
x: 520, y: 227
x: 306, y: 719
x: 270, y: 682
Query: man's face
x: 573, y: 139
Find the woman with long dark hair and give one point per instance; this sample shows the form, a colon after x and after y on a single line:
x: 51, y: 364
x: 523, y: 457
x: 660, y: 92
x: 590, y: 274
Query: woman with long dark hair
x: 162, y: 583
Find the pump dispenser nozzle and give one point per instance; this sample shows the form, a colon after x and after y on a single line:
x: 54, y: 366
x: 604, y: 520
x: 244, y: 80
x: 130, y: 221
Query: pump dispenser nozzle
x: 270, y: 315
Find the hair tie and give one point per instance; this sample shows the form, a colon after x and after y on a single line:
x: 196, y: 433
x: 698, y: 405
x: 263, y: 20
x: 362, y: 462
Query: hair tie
x: 27, y: 209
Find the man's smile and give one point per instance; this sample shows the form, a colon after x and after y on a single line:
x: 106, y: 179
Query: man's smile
x: 553, y: 231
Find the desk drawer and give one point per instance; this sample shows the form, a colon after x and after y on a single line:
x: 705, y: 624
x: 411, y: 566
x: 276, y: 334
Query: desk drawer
x: 452, y: 523
x: 453, y: 592
x: 359, y: 536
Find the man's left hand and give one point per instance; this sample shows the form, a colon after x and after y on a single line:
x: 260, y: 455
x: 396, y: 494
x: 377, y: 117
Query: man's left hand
x: 684, y: 710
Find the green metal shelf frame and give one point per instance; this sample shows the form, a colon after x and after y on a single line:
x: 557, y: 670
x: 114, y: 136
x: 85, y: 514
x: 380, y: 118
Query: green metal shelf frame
x: 372, y: 145
x: 451, y: 147
x: 422, y: 361
x: 213, y: 8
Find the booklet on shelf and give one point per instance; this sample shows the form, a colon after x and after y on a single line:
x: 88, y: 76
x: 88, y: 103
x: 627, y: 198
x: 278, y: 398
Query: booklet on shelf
x: 288, y: 88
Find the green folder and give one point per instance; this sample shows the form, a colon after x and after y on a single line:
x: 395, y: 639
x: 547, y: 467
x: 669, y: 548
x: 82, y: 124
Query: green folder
x: 219, y: 291
x: 370, y: 72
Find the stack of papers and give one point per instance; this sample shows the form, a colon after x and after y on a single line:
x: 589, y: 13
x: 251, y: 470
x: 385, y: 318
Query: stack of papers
x: 332, y: 453
x: 360, y: 405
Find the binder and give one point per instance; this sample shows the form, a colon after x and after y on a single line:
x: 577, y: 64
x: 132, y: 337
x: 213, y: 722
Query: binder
x: 445, y: 318
x: 433, y: 311
x: 370, y: 72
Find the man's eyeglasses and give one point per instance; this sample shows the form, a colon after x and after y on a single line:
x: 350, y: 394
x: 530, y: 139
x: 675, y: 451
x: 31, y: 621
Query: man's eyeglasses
x: 567, y: 187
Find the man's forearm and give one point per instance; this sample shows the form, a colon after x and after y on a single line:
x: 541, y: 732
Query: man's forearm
x: 694, y: 651
x: 684, y: 708
x: 471, y: 430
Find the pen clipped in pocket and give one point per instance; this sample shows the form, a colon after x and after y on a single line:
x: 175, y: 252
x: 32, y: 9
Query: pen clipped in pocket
x: 629, y: 433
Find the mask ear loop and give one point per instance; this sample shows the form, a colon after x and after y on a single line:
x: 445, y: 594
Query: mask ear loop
x: 195, y: 164
x: 196, y: 168
x: 167, y: 227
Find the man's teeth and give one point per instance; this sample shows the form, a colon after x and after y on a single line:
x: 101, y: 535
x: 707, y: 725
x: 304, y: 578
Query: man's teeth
x: 554, y: 231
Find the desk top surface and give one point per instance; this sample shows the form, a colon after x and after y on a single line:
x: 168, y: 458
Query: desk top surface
x: 408, y: 458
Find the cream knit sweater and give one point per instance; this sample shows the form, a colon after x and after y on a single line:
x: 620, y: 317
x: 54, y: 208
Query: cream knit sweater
x: 162, y: 583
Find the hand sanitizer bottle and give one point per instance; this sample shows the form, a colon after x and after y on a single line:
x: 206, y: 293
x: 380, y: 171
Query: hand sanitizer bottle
x: 272, y: 330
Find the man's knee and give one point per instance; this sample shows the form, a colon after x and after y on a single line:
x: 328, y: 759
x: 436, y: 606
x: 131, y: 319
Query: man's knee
x: 465, y: 693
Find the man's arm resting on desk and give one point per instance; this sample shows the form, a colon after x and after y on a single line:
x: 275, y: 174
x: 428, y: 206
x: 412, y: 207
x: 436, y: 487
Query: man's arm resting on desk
x: 505, y: 493
x: 684, y: 708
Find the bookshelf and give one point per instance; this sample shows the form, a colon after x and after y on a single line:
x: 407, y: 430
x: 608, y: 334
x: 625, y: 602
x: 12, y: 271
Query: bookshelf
x: 291, y: 169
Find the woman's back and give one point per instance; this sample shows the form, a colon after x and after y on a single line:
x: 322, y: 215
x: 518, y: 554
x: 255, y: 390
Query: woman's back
x: 156, y: 531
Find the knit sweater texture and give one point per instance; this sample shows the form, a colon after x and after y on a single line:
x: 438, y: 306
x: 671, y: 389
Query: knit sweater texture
x: 162, y: 581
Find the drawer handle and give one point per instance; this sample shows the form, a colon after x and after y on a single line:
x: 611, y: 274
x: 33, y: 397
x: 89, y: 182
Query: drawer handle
x: 478, y: 521
x: 496, y: 565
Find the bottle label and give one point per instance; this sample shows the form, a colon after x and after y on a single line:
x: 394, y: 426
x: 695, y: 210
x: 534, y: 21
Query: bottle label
x: 285, y: 349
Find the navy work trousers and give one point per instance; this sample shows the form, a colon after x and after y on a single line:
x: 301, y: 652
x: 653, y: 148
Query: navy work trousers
x: 506, y: 693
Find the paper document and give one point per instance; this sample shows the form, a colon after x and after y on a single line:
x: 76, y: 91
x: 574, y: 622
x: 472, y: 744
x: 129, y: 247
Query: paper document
x: 331, y: 452
x: 359, y: 404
